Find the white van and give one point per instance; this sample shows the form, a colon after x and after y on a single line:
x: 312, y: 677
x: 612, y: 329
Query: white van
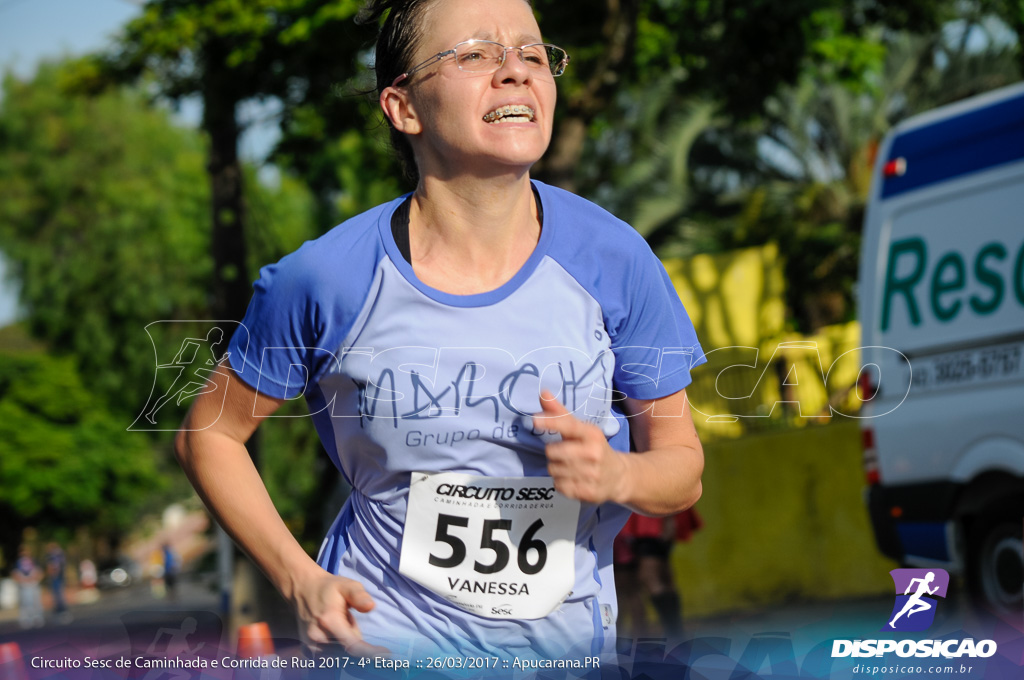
x: 942, y: 312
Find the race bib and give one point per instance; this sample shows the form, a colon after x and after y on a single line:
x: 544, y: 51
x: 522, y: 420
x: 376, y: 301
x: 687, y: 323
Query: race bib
x: 499, y: 547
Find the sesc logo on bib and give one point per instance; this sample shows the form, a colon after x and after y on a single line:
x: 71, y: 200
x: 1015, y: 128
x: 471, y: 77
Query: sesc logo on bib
x: 499, y: 547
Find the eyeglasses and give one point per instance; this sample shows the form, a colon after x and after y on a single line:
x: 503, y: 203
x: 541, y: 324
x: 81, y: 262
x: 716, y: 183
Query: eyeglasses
x: 485, y: 56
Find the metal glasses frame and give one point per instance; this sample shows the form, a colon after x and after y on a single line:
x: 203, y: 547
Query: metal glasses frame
x: 560, y: 65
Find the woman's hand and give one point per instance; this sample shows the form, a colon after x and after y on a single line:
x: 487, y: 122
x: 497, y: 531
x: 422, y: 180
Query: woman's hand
x: 323, y: 604
x: 661, y: 478
x: 583, y: 465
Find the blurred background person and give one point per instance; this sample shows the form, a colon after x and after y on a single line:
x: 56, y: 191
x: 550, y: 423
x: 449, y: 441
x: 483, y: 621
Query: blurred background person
x: 87, y: 579
x: 30, y: 598
x: 170, y: 570
x: 56, y: 566
x: 642, y: 570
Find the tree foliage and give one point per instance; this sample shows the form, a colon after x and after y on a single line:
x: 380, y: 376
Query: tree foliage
x: 227, y: 52
x: 736, y: 54
x: 103, y: 215
x: 65, y: 461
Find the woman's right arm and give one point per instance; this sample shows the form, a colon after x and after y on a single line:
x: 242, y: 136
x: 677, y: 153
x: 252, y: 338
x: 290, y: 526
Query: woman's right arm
x: 211, y: 449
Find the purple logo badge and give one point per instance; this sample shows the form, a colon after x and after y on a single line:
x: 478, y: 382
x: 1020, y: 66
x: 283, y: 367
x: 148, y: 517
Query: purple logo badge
x: 916, y: 590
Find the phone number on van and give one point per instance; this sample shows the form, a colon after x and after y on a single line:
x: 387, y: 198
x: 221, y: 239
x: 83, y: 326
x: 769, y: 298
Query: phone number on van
x: 998, y: 363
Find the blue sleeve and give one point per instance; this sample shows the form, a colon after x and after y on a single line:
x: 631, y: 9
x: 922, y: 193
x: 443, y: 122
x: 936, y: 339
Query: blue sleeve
x: 653, y: 339
x: 276, y: 349
x: 302, y: 308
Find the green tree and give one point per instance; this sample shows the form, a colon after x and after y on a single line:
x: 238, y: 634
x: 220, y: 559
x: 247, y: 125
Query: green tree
x: 1009, y: 11
x: 228, y: 52
x: 736, y: 54
x: 65, y: 461
x: 103, y: 216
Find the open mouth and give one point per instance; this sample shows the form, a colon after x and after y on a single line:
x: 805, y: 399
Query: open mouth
x: 514, y: 113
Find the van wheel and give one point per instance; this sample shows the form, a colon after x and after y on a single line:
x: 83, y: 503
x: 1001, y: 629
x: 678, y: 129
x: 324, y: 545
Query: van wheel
x: 996, y: 577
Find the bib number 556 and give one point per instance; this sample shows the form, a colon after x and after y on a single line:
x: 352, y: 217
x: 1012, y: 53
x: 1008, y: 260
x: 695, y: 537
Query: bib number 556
x: 488, y: 541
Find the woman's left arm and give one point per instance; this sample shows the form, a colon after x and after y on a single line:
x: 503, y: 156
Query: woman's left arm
x: 661, y: 478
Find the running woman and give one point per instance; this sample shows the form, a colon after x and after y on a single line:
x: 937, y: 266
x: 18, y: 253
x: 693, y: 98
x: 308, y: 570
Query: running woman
x: 476, y: 356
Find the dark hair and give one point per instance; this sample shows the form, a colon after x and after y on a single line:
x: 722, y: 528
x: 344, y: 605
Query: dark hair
x: 396, y: 45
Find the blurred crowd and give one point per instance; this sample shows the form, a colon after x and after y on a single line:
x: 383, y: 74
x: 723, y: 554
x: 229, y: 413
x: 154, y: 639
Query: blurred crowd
x: 42, y: 583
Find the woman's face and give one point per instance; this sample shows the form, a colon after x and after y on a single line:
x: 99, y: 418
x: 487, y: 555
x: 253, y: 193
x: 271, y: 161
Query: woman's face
x: 450, y: 127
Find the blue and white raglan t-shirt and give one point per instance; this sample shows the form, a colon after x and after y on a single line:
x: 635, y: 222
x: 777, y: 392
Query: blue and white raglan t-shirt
x: 424, y: 400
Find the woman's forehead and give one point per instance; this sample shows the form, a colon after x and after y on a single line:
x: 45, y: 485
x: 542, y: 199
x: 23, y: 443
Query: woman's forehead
x: 514, y: 39
x: 506, y: 21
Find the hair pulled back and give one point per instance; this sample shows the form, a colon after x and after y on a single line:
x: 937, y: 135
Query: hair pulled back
x: 396, y: 44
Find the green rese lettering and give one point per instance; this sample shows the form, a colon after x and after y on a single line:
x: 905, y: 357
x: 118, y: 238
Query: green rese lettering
x: 949, y: 276
x: 988, y: 278
x: 1018, y: 276
x: 942, y: 284
x: 910, y: 246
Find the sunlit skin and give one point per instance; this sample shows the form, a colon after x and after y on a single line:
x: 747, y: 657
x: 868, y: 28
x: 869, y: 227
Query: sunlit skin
x: 473, y: 223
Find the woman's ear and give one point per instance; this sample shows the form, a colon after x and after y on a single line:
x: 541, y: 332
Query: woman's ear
x: 397, y: 106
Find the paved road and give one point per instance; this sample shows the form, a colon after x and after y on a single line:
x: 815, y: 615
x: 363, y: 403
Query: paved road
x: 103, y: 622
